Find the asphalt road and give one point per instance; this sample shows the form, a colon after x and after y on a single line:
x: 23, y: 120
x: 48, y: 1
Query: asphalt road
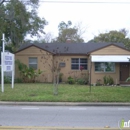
x: 63, y: 116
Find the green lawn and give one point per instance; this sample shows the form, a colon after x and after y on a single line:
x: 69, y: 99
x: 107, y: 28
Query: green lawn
x: 40, y: 92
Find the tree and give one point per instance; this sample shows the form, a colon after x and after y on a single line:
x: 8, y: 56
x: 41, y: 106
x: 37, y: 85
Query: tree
x: 62, y: 25
x: 66, y: 32
x: 47, y: 38
x: 19, y: 18
x: 112, y: 36
x: 52, y: 63
x: 2, y: 1
x: 127, y: 43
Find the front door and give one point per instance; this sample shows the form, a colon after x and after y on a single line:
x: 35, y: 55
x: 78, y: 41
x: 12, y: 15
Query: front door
x: 124, y: 71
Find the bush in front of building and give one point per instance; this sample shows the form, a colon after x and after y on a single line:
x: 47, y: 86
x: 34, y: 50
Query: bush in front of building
x: 108, y: 80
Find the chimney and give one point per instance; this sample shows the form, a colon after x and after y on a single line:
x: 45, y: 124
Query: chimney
x: 68, y: 40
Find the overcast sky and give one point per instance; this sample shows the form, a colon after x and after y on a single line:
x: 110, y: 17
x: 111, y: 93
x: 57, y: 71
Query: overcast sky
x: 96, y: 17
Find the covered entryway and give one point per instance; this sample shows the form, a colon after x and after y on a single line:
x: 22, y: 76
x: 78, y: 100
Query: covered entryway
x: 124, y: 72
x: 122, y: 68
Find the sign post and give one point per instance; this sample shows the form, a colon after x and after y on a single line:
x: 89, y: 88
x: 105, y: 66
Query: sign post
x: 7, y: 65
x: 2, y: 64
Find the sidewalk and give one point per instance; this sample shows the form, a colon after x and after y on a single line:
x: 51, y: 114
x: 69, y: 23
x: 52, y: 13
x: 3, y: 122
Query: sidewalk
x: 66, y: 103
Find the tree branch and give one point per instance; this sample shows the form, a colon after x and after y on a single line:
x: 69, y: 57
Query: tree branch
x: 1, y: 2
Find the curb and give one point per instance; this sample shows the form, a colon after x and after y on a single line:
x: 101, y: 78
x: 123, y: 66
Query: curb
x: 65, y: 103
x: 54, y: 128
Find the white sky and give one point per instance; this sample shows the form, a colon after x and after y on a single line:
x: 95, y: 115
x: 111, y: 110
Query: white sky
x: 96, y: 17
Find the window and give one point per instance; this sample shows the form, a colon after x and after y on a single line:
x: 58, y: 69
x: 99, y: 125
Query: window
x: 33, y: 62
x: 104, y: 66
x: 76, y: 63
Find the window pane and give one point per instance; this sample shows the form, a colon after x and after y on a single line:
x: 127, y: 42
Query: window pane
x: 33, y: 62
x: 74, y: 66
x: 109, y: 67
x: 99, y: 66
x: 84, y: 66
x: 34, y: 66
x: 74, y: 60
x: 83, y: 60
x: 105, y: 67
x: 77, y: 62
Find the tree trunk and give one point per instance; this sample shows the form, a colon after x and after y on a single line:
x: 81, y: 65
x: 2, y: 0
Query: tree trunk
x: 55, y: 85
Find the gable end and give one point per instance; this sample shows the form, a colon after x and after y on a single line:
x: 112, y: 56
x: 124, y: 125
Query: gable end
x: 110, y: 45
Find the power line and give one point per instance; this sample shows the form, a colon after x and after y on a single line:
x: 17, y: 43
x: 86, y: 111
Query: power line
x: 91, y: 2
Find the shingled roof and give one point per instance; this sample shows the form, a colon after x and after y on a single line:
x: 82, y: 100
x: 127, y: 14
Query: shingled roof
x: 70, y: 48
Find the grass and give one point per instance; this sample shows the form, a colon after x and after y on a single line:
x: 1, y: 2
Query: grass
x: 41, y: 92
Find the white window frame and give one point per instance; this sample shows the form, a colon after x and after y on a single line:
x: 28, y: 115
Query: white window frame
x: 79, y: 63
x: 104, y: 67
x: 35, y: 63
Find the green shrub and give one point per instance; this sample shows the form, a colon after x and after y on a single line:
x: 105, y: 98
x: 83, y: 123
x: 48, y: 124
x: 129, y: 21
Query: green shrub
x: 18, y: 80
x: 60, y: 77
x: 108, y: 80
x: 7, y: 79
x: 98, y: 83
x: 128, y: 79
x: 71, y: 80
x: 111, y: 81
x: 28, y: 74
x: 82, y: 81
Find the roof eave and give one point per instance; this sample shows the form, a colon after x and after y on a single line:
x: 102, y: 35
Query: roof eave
x: 34, y: 46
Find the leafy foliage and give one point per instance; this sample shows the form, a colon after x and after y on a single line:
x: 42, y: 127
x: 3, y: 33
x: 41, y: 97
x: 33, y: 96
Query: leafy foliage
x: 98, y: 83
x: 18, y: 80
x: 66, y: 32
x: 114, y: 37
x: 81, y: 81
x: 27, y: 74
x: 7, y: 79
x: 128, y: 79
x: 2, y: 1
x: 19, y: 18
x: 71, y: 80
x: 108, y: 80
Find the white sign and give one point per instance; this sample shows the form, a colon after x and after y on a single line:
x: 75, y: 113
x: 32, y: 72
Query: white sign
x: 8, y: 61
x: 7, y: 64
